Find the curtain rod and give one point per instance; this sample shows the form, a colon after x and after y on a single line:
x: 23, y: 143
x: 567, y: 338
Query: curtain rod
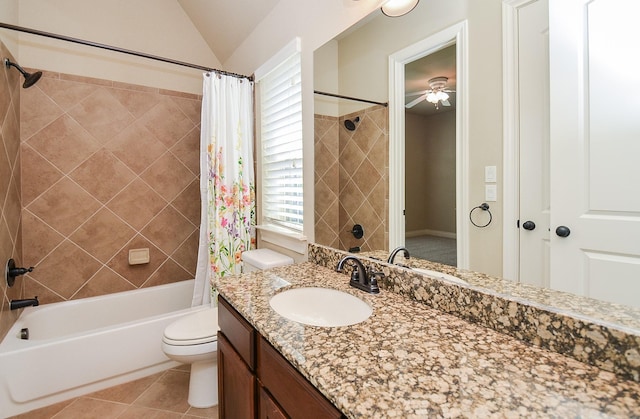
x: 385, y: 104
x: 117, y: 49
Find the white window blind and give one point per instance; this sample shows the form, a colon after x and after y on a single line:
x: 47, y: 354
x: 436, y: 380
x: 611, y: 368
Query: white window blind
x: 281, y: 140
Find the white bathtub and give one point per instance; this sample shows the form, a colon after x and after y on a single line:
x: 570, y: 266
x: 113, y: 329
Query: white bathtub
x: 81, y: 346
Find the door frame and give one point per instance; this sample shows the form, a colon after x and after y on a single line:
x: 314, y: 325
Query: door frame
x: 458, y: 35
x: 511, y: 139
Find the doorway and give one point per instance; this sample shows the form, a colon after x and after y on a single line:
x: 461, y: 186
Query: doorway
x: 430, y: 157
x: 454, y: 36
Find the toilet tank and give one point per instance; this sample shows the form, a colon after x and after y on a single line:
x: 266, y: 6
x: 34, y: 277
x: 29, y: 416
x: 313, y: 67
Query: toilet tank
x: 254, y: 260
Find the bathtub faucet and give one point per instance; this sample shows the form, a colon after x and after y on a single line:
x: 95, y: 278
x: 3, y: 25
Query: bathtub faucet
x: 12, y: 271
x: 16, y: 304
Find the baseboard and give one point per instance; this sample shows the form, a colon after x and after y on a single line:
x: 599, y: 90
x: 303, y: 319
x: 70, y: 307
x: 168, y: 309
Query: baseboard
x: 436, y: 233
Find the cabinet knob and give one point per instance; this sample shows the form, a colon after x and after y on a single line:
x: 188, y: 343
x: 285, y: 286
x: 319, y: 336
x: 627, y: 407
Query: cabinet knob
x: 563, y: 231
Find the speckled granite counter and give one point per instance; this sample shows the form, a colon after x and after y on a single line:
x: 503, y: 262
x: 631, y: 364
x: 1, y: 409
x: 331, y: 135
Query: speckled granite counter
x: 409, y: 360
x: 598, y: 333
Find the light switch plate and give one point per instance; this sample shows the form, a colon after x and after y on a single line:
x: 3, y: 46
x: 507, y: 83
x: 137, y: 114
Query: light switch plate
x: 490, y: 193
x: 490, y: 174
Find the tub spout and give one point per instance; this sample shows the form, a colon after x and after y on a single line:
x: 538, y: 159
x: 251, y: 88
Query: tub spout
x: 16, y: 304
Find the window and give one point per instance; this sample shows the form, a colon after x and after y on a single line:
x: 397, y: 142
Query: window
x: 280, y: 136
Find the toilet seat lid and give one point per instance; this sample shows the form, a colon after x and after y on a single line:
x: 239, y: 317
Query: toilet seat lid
x: 202, y: 325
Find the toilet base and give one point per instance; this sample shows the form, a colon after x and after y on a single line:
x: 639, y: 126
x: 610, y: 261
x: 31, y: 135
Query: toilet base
x: 203, y: 384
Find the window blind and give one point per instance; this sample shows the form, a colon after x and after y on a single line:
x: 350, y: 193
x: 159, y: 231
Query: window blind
x: 281, y: 140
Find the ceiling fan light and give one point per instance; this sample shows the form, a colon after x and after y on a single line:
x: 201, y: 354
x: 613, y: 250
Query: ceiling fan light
x: 396, y: 8
x: 432, y: 97
x: 442, y: 96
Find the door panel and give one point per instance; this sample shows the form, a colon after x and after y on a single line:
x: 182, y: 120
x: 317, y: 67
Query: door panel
x: 595, y: 127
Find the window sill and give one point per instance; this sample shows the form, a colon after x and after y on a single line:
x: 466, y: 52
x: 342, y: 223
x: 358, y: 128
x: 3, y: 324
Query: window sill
x: 296, y: 242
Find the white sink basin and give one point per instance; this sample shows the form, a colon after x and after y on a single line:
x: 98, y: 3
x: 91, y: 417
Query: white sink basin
x: 441, y: 275
x: 320, y: 307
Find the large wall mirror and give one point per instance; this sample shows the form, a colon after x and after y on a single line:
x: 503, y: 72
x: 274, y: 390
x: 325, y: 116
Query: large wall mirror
x: 352, y: 141
x: 352, y: 152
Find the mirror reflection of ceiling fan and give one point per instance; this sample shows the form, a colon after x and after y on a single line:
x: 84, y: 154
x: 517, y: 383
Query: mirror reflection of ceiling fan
x: 438, y: 94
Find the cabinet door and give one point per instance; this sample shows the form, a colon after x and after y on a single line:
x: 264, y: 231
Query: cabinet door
x: 297, y: 397
x: 269, y: 409
x: 236, y: 384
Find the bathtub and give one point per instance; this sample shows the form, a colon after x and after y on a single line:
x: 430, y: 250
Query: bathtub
x: 81, y: 346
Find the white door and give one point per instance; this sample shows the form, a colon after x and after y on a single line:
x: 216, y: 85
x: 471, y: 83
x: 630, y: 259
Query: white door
x: 533, y: 162
x: 595, y: 148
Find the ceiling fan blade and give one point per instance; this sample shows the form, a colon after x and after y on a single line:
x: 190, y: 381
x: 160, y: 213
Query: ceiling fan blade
x: 445, y: 102
x: 422, y: 92
x: 415, y: 102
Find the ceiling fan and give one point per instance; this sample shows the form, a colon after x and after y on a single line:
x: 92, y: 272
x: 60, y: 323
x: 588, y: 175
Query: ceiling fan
x: 438, y: 94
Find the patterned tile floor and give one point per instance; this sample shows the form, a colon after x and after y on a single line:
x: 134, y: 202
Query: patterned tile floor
x: 160, y: 396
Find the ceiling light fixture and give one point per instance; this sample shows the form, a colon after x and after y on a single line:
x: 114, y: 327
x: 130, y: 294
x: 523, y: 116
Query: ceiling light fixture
x: 437, y: 97
x: 396, y: 8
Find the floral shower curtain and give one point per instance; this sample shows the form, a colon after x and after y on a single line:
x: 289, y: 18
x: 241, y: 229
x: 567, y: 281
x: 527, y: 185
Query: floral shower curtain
x: 227, y: 185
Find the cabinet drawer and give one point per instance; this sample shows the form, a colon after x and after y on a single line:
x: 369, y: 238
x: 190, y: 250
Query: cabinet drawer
x: 297, y: 397
x: 238, y: 331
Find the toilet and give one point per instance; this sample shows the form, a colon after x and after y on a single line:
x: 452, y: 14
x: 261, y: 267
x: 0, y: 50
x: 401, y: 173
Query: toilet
x: 193, y: 339
x: 258, y: 259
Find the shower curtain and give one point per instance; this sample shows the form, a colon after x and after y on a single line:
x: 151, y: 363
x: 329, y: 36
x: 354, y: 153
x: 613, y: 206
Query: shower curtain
x: 227, y: 185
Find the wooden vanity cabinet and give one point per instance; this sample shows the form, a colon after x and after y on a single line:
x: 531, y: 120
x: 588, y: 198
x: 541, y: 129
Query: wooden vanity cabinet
x: 255, y: 381
x: 236, y: 364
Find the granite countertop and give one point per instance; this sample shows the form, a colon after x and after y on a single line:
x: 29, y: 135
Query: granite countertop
x: 409, y: 360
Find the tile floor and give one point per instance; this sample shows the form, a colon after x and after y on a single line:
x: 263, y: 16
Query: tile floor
x: 160, y: 396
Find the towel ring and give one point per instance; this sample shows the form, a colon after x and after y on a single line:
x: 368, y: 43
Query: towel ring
x: 485, y: 207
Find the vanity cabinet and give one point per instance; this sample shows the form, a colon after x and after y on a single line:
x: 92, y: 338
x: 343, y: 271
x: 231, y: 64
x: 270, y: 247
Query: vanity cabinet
x: 255, y: 381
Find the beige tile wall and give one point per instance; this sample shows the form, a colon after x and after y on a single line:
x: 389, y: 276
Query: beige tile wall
x: 351, y: 178
x: 10, y: 233
x: 107, y: 167
x: 327, y: 180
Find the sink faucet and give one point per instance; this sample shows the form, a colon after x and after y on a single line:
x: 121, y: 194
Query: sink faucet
x: 359, y: 277
x: 397, y: 250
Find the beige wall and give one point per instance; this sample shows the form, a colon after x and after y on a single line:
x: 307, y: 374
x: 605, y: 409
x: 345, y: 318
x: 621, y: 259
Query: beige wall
x: 156, y: 27
x: 10, y: 202
x: 315, y: 22
x: 430, y: 169
x: 107, y: 167
x: 9, y: 14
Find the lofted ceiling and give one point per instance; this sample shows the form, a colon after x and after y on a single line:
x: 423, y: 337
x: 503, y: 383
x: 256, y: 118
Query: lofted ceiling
x: 225, y: 24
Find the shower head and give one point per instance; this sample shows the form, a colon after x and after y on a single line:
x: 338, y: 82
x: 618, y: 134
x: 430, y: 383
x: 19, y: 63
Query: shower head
x: 29, y: 78
x: 351, y: 125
